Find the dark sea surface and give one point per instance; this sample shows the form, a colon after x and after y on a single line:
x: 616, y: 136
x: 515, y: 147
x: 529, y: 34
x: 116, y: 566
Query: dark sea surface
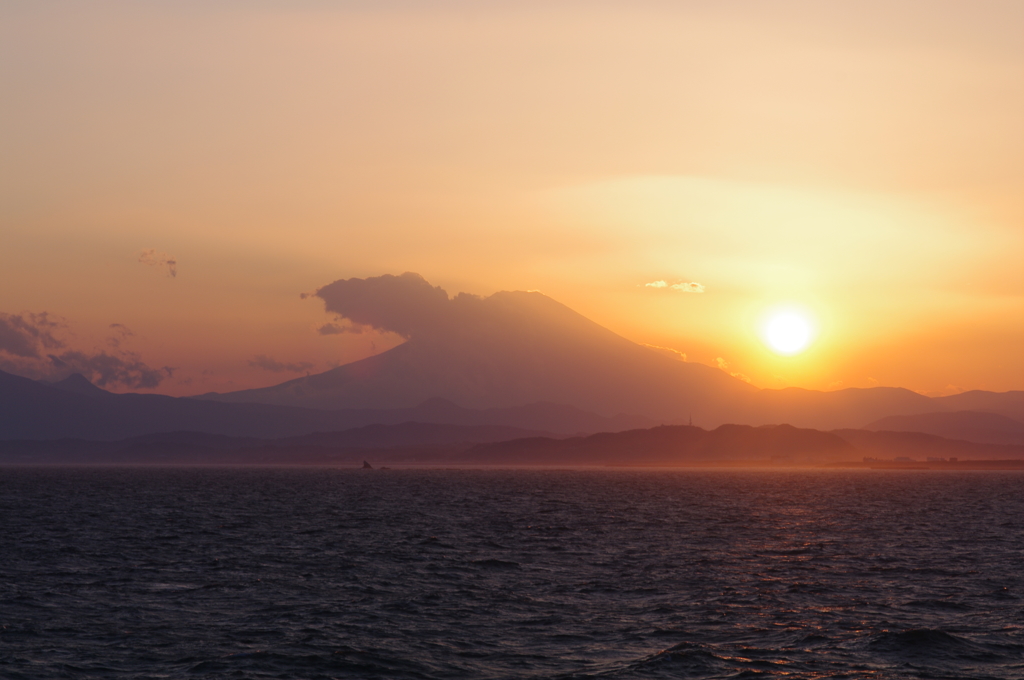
x: 328, y: 573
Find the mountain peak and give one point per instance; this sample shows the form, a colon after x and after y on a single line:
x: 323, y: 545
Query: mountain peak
x: 79, y: 384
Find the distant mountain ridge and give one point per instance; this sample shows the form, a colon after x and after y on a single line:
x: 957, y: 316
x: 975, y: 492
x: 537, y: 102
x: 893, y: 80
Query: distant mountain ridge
x: 1009, y: 404
x: 975, y: 426
x: 408, y: 440
x: 74, y: 408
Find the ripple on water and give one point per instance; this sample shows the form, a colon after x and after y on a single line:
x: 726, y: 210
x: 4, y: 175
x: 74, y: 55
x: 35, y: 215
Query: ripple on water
x: 324, y: 573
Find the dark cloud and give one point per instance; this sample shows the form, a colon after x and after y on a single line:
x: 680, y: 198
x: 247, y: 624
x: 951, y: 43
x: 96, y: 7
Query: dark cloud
x: 110, y: 370
x: 405, y: 304
x: 269, y: 364
x: 160, y: 260
x: 25, y: 339
x: 25, y: 335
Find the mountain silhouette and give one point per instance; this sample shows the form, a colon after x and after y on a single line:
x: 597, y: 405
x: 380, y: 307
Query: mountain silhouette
x: 504, y: 350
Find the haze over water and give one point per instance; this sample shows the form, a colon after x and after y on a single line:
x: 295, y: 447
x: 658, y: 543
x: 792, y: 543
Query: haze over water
x: 328, y: 573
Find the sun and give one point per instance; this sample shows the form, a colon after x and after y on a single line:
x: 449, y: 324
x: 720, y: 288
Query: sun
x: 788, y: 332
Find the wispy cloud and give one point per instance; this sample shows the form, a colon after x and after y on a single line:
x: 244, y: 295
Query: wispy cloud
x: 111, y: 370
x: 724, y: 365
x: 682, y: 286
x: 149, y: 256
x: 274, y: 366
x: 674, y: 353
x: 691, y: 287
x: 120, y: 333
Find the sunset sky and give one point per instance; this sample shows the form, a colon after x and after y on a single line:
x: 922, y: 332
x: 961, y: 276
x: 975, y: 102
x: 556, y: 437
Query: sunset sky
x: 174, y: 175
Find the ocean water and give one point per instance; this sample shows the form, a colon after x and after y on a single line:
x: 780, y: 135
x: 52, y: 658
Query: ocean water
x: 328, y: 573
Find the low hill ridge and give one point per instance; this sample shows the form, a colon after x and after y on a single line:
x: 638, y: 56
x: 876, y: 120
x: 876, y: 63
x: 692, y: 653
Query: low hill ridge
x: 433, y: 444
x: 670, y: 445
x: 975, y: 426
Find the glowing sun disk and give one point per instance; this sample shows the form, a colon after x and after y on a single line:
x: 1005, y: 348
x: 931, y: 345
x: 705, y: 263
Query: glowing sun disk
x: 788, y: 333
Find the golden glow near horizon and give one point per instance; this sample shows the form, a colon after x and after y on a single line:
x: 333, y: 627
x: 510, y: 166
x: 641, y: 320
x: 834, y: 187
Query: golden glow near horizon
x: 864, y: 160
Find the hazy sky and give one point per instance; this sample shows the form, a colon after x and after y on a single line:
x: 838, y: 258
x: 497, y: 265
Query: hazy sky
x: 861, y: 161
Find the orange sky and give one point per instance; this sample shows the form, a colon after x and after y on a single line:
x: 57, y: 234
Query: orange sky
x: 864, y: 161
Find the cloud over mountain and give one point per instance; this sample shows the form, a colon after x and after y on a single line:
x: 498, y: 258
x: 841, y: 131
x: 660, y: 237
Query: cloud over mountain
x: 404, y: 304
